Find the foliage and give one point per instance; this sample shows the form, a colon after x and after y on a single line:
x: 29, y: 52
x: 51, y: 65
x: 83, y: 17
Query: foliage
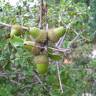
x: 18, y: 76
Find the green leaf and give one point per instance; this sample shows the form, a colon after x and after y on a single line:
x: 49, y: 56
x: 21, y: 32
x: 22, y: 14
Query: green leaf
x: 16, y: 41
x: 65, y: 44
x: 54, y: 56
x: 50, y: 50
x: 92, y: 63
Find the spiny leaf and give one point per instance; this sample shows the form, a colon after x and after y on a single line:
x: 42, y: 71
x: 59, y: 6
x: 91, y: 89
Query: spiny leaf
x: 54, y: 56
x: 16, y: 41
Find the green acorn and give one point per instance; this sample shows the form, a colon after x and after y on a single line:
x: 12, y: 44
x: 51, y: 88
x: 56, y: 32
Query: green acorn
x: 32, y: 47
x: 34, y: 32
x: 52, y: 36
x: 60, y: 31
x: 42, y: 37
x: 29, y: 45
x: 41, y: 62
x: 35, y: 49
x: 16, y: 30
x: 55, y: 34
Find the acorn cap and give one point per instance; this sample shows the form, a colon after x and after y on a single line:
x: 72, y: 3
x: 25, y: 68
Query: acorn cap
x: 52, y: 36
x: 28, y: 45
x: 41, y: 62
x: 34, y: 32
x: 16, y: 30
x: 42, y: 37
x: 35, y: 49
x: 41, y: 59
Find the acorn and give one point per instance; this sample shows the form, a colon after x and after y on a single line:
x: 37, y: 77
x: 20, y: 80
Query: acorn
x: 16, y: 30
x: 34, y: 32
x: 55, y: 34
x: 52, y: 36
x: 32, y: 47
x: 36, y: 49
x: 42, y: 37
x: 29, y: 45
x: 41, y: 62
x: 60, y: 31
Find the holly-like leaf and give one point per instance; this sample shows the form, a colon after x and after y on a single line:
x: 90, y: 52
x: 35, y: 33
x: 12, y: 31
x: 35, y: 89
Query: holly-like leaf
x: 54, y: 57
x: 17, y: 41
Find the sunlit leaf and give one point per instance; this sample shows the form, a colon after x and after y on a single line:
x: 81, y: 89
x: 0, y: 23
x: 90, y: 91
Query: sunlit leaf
x: 16, y: 41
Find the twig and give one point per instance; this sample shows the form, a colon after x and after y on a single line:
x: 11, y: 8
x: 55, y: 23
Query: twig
x: 15, y: 82
x: 74, y: 39
x: 55, y: 49
x: 5, y: 25
x: 9, y: 25
x: 59, y: 78
x: 38, y: 78
x: 3, y: 74
x: 40, y: 81
x: 60, y: 42
x: 79, y: 34
x: 68, y: 50
x: 41, y: 7
x: 58, y: 45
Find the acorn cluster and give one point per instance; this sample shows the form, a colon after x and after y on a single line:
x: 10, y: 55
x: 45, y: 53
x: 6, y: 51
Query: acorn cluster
x: 16, y: 30
x: 41, y: 39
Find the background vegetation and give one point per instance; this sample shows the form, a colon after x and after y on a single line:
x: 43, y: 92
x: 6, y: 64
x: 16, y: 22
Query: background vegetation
x: 18, y: 76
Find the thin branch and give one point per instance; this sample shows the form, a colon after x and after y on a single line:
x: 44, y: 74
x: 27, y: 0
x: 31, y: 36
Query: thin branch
x: 3, y: 74
x: 59, y: 77
x: 60, y: 42
x: 74, y: 40
x: 68, y: 50
x: 54, y: 49
x: 5, y: 25
x: 81, y: 35
x: 40, y: 81
x: 41, y: 7
x: 15, y: 82
x: 9, y: 25
x: 38, y: 78
x: 58, y: 45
